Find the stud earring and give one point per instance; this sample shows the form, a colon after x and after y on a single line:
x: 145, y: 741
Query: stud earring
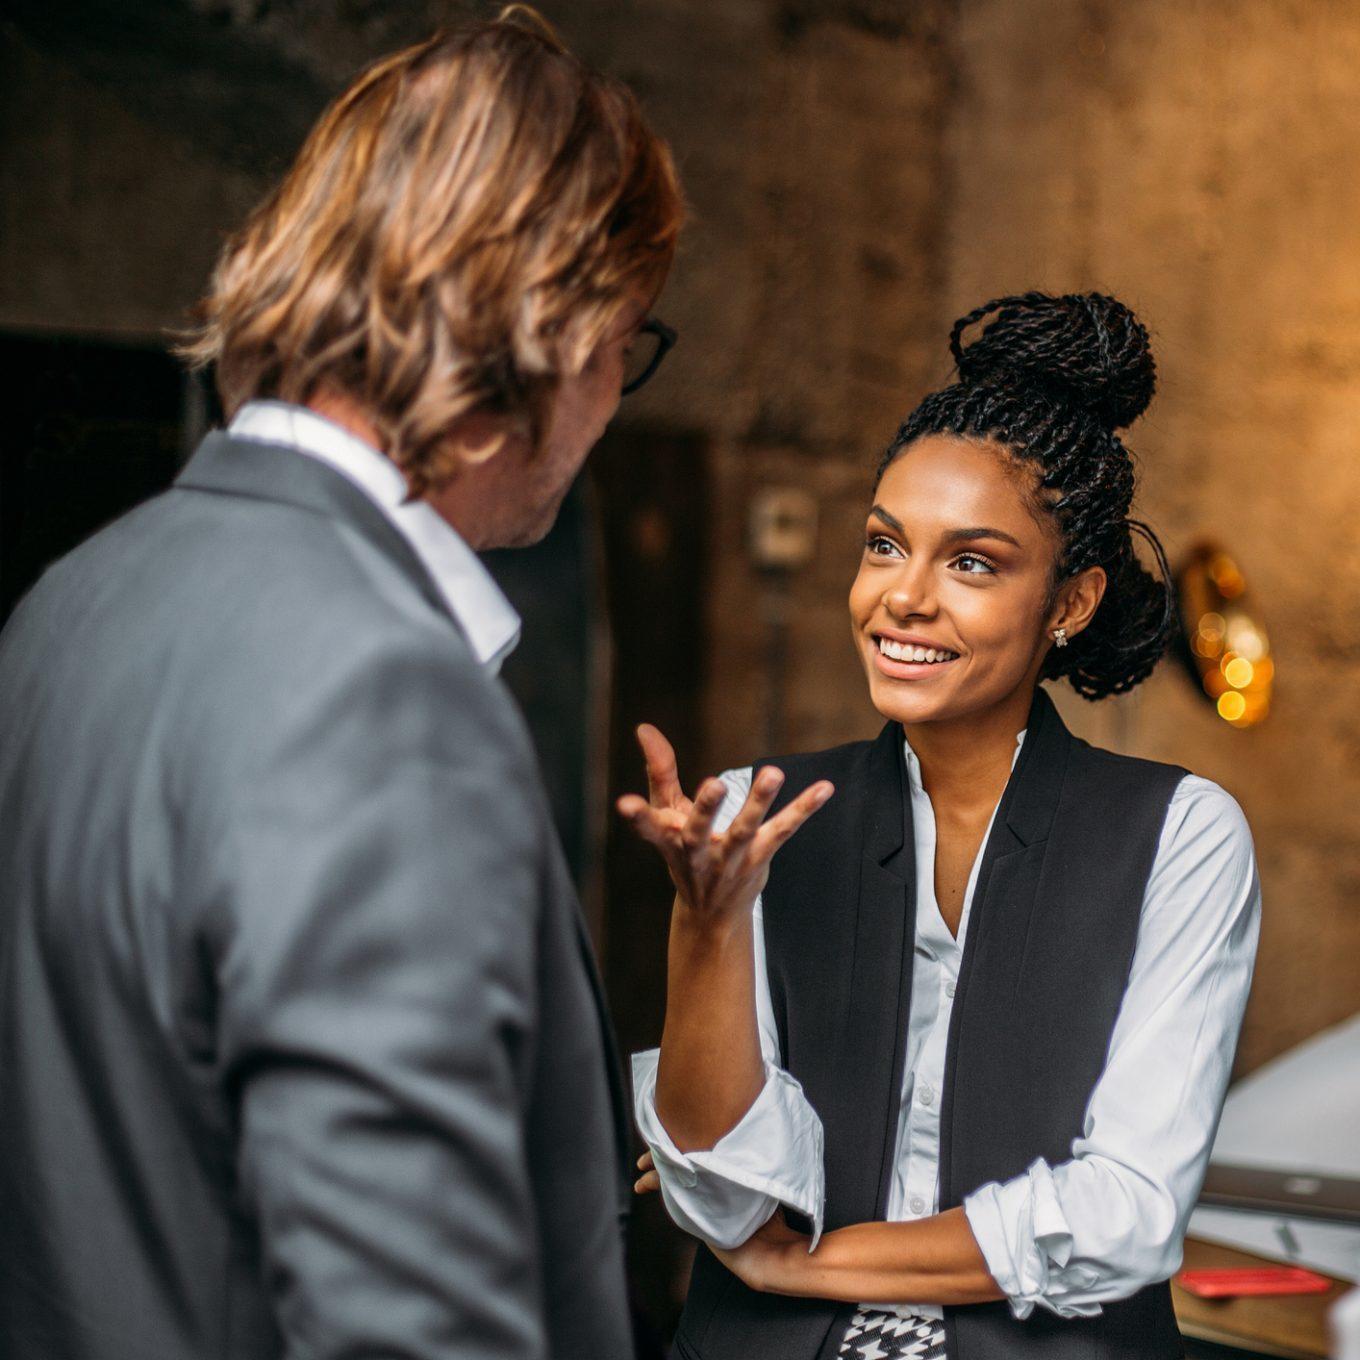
x: 1060, y: 637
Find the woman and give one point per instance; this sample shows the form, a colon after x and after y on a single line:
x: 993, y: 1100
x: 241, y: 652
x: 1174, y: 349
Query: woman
x: 998, y: 981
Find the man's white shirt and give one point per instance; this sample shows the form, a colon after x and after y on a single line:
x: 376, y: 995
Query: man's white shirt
x: 487, y: 618
x: 1068, y: 1237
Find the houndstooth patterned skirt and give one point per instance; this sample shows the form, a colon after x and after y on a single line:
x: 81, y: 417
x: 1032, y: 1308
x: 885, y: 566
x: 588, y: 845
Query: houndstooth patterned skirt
x: 874, y: 1334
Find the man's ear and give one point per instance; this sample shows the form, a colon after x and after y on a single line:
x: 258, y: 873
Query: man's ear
x: 1078, y: 599
x: 478, y: 438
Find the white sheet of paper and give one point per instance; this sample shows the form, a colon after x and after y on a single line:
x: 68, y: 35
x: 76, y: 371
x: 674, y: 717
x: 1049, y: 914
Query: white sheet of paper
x: 1298, y: 1113
x: 1333, y: 1248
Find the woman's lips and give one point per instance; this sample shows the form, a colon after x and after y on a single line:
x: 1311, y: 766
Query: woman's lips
x: 907, y: 669
x: 910, y: 670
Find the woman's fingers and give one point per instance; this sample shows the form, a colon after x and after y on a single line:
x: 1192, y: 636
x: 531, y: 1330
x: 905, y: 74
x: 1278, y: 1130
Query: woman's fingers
x: 649, y: 1180
x: 779, y: 828
x: 650, y: 824
x: 697, y: 833
x: 663, y: 779
x: 763, y: 789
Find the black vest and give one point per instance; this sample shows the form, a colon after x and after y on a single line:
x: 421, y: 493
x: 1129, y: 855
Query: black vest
x: 1045, y: 962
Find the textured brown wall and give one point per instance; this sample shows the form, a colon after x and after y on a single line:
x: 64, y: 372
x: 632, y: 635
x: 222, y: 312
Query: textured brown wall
x: 107, y: 225
x: 860, y: 172
x: 809, y: 136
x: 1202, y: 161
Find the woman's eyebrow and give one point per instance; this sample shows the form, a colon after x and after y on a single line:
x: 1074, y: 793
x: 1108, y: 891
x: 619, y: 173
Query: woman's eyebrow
x: 968, y: 535
x: 953, y: 535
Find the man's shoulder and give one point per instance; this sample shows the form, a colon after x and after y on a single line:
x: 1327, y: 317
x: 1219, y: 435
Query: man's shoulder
x: 243, y: 616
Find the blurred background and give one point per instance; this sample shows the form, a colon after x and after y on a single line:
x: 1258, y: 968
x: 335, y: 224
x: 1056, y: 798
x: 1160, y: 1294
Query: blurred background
x: 860, y: 172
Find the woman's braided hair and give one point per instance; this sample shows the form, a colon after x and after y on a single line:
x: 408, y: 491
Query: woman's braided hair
x: 1051, y: 379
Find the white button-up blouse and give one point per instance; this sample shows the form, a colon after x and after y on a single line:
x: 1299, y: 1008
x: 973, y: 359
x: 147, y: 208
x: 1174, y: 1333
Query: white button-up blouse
x: 1096, y: 1227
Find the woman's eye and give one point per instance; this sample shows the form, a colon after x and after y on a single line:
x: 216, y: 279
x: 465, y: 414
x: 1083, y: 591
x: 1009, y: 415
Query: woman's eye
x: 974, y: 565
x: 879, y: 546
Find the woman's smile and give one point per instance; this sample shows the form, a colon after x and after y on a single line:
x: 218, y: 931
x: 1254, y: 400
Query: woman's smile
x: 901, y: 656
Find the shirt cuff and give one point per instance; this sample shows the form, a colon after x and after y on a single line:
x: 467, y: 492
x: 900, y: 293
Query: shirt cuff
x: 1026, y: 1241
x: 773, y: 1156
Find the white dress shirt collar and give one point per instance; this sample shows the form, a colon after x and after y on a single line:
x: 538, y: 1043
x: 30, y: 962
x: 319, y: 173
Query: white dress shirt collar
x: 486, y: 617
x: 914, y: 764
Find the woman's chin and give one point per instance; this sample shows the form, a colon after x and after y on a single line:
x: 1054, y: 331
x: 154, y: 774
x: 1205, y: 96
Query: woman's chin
x: 910, y: 701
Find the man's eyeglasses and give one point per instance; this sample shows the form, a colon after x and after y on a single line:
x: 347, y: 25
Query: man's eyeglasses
x: 650, y: 346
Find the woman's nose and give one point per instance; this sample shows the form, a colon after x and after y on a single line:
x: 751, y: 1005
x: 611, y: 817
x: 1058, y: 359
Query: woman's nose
x: 910, y: 595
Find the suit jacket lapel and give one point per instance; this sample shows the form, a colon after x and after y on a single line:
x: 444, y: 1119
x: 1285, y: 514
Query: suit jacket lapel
x: 246, y: 467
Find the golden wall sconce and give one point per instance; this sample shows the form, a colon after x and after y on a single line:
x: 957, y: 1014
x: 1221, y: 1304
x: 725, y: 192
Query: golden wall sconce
x: 1225, y: 644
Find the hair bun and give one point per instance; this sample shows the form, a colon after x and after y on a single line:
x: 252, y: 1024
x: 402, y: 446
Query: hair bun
x: 1089, y: 349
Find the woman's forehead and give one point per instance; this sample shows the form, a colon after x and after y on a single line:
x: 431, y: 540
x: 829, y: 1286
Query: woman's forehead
x: 942, y: 482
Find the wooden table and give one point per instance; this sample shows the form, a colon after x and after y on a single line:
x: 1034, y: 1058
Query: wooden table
x: 1293, y: 1326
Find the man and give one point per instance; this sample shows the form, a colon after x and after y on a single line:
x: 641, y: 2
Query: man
x: 302, y: 1051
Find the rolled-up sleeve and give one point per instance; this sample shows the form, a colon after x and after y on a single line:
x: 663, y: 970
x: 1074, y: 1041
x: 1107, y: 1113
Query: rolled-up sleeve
x: 772, y: 1157
x: 1112, y: 1219
x: 774, y: 1154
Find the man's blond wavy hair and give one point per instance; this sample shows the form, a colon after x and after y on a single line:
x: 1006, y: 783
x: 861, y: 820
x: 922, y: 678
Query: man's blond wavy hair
x: 459, y: 230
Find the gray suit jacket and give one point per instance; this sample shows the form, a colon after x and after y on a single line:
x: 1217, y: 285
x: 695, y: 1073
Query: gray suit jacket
x: 302, y: 1049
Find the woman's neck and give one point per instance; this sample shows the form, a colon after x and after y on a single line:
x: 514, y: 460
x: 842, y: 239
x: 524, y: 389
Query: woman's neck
x: 968, y: 760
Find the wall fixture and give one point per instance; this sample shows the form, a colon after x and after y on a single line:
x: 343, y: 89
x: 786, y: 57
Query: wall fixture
x: 1225, y: 645
x: 782, y: 539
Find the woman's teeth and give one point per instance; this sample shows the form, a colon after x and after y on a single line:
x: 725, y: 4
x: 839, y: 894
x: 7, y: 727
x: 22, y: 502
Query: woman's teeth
x: 902, y: 651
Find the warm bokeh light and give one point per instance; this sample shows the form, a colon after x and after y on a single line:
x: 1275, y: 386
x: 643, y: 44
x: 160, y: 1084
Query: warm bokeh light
x: 1226, y: 576
x: 1228, y: 646
x: 1245, y: 638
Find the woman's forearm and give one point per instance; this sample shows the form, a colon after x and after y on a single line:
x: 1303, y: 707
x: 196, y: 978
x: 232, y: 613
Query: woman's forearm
x: 710, y: 1070
x: 933, y: 1260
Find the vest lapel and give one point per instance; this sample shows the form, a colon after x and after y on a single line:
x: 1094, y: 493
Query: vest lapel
x: 245, y: 467
x: 1003, y: 900
x: 885, y: 933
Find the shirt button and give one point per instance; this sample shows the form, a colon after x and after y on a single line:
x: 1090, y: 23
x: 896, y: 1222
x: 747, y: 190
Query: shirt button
x: 916, y: 1204
x: 927, y: 1096
x: 949, y: 987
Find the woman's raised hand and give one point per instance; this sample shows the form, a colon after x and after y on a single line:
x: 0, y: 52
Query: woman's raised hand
x: 716, y: 876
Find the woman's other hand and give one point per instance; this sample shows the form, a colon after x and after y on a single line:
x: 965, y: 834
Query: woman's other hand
x: 930, y: 1260
x: 774, y: 1260
x: 716, y: 875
